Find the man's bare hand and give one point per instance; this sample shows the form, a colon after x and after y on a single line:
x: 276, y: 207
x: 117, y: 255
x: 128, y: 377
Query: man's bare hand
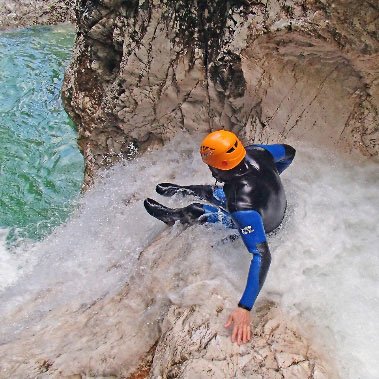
x: 241, y: 330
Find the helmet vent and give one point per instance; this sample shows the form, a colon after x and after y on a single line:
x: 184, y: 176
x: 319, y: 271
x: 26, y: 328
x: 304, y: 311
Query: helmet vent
x: 233, y: 147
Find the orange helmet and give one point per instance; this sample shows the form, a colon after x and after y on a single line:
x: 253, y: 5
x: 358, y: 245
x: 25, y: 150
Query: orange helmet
x: 222, y: 150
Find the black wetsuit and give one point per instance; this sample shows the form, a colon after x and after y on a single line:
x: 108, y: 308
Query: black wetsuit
x: 252, y: 200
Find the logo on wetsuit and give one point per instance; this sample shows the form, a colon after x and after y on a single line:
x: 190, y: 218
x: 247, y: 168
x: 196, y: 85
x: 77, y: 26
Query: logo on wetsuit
x: 247, y: 230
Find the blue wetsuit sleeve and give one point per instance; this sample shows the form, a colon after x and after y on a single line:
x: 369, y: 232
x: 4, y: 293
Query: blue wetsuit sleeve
x: 283, y: 155
x: 252, y: 231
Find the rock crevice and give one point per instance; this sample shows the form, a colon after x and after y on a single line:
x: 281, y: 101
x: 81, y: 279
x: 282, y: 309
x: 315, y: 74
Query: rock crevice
x: 268, y: 70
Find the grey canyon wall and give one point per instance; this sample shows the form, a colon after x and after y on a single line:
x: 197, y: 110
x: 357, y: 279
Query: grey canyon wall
x: 269, y: 70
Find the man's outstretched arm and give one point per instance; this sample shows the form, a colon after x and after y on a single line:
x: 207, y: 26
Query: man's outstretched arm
x: 283, y: 155
x: 251, y: 228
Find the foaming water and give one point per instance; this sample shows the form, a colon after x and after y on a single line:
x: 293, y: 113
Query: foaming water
x: 7, y: 263
x: 324, y: 266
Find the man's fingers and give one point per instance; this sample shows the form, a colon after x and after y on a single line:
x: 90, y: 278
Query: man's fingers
x: 229, y: 321
x: 245, y: 334
x: 240, y: 333
x: 241, y: 326
x: 234, y: 335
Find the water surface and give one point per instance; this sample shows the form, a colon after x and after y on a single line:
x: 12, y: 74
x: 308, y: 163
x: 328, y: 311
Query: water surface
x: 41, y: 168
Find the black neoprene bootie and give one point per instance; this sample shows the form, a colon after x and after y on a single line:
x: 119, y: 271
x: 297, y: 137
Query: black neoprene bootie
x: 187, y: 215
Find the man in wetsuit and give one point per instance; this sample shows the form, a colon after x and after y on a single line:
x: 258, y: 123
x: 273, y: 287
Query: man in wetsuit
x: 252, y: 200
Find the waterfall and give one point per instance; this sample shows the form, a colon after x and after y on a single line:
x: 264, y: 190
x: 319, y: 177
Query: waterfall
x: 324, y: 261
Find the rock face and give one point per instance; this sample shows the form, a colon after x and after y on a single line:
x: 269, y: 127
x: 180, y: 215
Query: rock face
x: 192, y: 346
x: 266, y: 69
x: 20, y: 13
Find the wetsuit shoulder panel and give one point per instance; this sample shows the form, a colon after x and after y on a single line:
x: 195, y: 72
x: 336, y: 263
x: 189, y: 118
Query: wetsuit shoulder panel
x: 282, y: 154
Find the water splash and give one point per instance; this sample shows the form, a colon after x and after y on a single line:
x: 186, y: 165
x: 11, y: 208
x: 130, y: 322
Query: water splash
x: 324, y: 268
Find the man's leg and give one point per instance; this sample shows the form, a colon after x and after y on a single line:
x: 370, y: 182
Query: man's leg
x: 212, y: 194
x: 195, y: 213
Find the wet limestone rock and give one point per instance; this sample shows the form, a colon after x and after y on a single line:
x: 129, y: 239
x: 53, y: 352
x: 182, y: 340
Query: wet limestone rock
x: 269, y: 70
x: 193, y: 344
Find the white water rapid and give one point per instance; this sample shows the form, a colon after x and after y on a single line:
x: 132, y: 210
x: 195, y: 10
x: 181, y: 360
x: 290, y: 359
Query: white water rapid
x: 324, y: 258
